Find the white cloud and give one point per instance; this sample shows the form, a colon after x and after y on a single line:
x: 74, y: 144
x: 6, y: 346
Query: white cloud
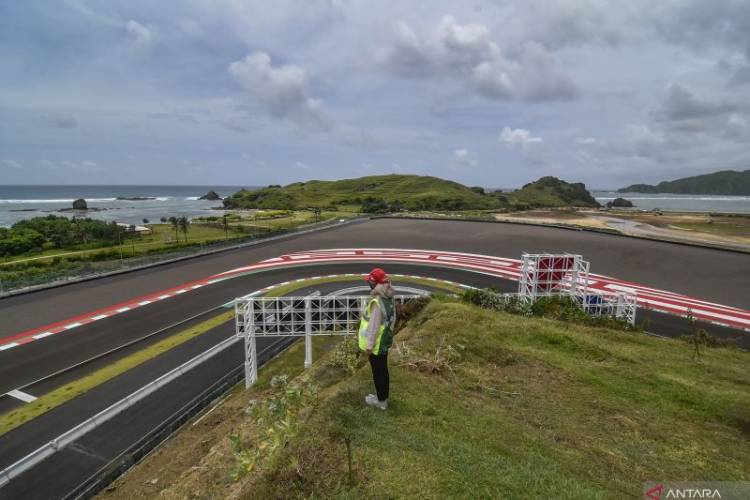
x: 520, y: 71
x: 464, y: 158
x: 518, y: 137
x: 138, y: 33
x: 10, y: 164
x: 281, y: 89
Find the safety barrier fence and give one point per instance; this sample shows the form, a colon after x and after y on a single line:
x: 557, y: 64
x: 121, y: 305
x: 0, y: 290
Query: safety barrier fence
x: 120, y: 464
x: 70, y: 436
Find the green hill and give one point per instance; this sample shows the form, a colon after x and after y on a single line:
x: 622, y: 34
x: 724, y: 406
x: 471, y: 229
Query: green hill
x: 725, y: 182
x: 551, y: 192
x: 391, y: 193
x: 412, y: 192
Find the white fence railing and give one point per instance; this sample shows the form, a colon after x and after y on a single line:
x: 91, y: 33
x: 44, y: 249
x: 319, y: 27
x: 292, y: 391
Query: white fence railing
x: 297, y: 317
x: 70, y: 436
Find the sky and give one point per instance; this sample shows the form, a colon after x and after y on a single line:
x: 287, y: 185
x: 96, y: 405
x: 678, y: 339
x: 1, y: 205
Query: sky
x: 492, y: 93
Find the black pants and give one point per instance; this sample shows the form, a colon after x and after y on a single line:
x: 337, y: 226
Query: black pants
x: 379, y: 365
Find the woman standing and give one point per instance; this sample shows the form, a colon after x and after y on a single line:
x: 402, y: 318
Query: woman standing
x: 376, y: 334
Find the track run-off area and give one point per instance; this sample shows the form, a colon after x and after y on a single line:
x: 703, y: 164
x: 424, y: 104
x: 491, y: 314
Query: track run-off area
x: 504, y: 268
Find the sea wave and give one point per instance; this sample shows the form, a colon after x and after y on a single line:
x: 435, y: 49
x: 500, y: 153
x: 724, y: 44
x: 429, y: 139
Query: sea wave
x: 677, y: 198
x: 192, y: 198
x: 67, y: 200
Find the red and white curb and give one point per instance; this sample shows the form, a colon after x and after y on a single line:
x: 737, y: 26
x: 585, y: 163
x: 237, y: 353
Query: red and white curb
x: 650, y: 298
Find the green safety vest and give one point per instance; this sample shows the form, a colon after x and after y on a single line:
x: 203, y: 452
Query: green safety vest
x: 384, y: 335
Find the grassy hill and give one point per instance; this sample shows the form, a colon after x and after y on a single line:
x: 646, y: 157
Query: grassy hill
x: 412, y: 192
x: 725, y: 182
x: 389, y: 193
x: 550, y: 192
x: 484, y: 404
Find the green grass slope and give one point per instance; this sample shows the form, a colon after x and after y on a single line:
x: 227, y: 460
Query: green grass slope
x: 486, y: 404
x: 725, y: 182
x: 408, y: 191
x: 389, y: 193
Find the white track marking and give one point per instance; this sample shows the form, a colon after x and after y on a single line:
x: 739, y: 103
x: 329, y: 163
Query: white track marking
x: 98, y: 317
x: 23, y: 396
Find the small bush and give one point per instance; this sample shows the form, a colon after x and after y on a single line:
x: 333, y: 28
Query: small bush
x: 345, y: 355
x: 408, y: 310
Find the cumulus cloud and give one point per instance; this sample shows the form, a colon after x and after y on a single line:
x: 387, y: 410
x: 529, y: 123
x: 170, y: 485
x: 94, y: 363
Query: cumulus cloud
x: 282, y: 90
x: 57, y: 120
x: 464, y: 158
x: 681, y: 104
x: 518, y: 137
x: 138, y: 33
x: 10, y: 164
x: 520, y: 71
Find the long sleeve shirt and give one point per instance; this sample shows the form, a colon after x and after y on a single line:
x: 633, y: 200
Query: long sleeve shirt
x: 376, y: 318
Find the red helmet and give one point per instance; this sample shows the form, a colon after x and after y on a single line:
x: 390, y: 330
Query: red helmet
x: 377, y: 275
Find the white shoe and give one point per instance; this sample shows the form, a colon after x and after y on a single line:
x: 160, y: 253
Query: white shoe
x: 372, y: 400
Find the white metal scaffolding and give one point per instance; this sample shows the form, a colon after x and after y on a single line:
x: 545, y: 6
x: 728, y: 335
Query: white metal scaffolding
x: 567, y: 275
x: 296, y: 317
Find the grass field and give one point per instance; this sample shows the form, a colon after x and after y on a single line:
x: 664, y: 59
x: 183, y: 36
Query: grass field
x: 484, y: 405
x: 163, y: 237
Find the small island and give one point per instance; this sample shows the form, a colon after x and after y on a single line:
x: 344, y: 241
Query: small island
x: 80, y: 204
x: 211, y: 196
x: 620, y: 203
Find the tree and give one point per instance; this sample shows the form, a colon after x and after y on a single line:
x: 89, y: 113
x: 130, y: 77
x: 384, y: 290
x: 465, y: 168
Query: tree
x: 316, y: 213
x: 175, y: 225
x: 184, y: 222
x: 163, y: 220
x: 226, y: 226
x: 145, y: 220
x: 132, y: 233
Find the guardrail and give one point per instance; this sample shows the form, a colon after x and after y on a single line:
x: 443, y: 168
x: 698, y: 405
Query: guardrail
x: 68, y: 437
x: 120, y: 464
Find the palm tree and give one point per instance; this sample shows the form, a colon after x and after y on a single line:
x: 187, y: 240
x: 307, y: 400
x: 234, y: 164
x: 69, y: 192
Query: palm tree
x: 175, y: 225
x: 132, y: 233
x: 184, y: 223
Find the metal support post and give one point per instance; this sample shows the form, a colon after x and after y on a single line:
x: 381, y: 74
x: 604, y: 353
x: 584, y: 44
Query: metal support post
x: 251, y: 350
x: 308, y: 333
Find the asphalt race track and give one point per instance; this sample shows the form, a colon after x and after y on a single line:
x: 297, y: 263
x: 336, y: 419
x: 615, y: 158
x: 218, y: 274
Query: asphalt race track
x: 708, y: 274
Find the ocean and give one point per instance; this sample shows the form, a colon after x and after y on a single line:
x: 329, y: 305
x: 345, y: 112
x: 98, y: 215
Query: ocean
x: 680, y: 202
x: 23, y: 202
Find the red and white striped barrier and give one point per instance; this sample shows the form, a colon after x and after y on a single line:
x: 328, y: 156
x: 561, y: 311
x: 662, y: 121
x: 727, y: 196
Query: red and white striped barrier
x: 648, y: 297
